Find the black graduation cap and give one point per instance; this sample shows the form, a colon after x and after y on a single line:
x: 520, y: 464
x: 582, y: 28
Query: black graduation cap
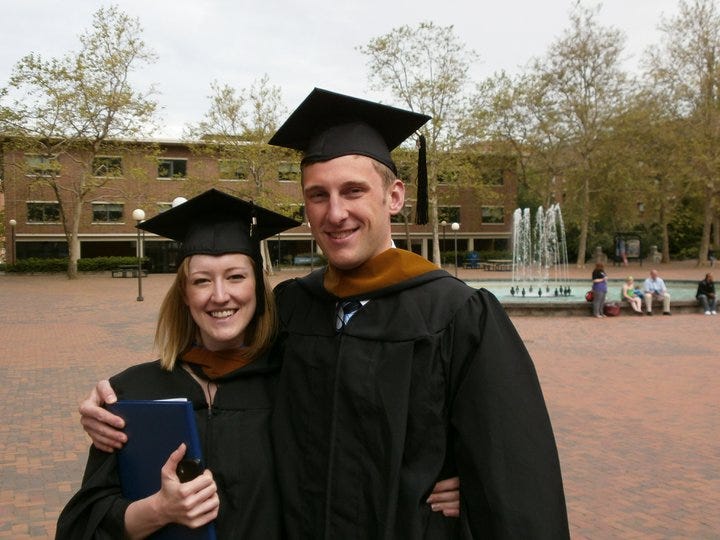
x: 215, y: 223
x: 327, y: 125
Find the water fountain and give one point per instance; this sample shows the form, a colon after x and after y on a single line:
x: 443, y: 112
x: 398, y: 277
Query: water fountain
x: 541, y: 283
x: 540, y: 261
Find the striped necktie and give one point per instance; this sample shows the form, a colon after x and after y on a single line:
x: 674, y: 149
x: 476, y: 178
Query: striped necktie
x: 346, y: 309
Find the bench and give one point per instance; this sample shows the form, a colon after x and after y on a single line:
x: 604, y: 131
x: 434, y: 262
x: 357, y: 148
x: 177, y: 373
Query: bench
x: 128, y: 270
x: 472, y: 260
x: 498, y: 265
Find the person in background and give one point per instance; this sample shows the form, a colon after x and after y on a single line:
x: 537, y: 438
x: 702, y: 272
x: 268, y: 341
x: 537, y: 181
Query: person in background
x: 214, y: 334
x: 654, y: 289
x: 628, y: 294
x: 706, y: 295
x: 599, y: 289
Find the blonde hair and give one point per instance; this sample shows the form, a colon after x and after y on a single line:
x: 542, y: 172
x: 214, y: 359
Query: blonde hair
x: 176, y: 330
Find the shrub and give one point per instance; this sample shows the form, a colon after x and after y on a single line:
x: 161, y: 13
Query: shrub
x: 96, y: 264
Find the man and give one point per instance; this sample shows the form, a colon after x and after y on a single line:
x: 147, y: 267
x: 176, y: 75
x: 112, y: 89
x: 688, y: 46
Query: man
x: 427, y: 379
x: 654, y: 289
x: 706, y: 295
x: 395, y: 374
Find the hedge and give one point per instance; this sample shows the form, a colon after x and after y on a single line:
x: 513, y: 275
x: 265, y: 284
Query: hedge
x: 96, y: 264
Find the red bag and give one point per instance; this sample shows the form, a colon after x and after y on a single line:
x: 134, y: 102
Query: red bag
x: 611, y: 310
x: 589, y: 296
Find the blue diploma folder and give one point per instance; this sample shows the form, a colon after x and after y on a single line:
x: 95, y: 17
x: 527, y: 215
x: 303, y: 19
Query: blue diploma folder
x: 155, y: 429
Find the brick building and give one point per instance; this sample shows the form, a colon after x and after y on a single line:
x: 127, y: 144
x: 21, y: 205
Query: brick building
x: 149, y: 175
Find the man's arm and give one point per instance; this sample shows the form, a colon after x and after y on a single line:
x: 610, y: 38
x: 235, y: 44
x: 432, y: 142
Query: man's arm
x: 503, y: 442
x: 102, y: 426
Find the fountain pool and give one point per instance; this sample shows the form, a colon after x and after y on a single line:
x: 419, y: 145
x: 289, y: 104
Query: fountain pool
x: 548, y: 305
x: 679, y: 290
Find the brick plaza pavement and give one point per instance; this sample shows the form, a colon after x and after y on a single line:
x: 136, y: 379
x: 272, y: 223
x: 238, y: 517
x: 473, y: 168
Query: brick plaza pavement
x: 633, y: 400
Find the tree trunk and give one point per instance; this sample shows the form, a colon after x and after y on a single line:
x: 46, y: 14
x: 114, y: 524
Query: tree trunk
x: 707, y: 226
x: 665, y: 235
x: 74, y: 242
x: 584, y: 223
x: 73, y: 256
x: 267, y: 260
x: 433, y: 211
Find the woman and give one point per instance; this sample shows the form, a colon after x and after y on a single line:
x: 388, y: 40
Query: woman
x: 706, y: 295
x: 214, y: 332
x: 599, y: 288
x: 628, y: 293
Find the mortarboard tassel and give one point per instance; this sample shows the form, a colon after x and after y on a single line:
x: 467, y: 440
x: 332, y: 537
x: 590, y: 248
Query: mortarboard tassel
x: 421, y: 212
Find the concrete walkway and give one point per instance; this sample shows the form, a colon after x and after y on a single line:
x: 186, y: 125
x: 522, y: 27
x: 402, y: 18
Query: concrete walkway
x: 634, y: 401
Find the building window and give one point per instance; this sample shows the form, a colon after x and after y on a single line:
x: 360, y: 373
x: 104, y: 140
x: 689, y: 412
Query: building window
x: 493, y: 215
x: 43, y: 212
x: 449, y: 214
x: 294, y: 211
x: 288, y: 171
x: 172, y: 168
x: 38, y: 165
x: 298, y: 212
x: 163, y: 206
x: 107, y: 166
x: 399, y: 218
x: 107, y: 212
x: 233, y: 169
x: 447, y: 177
x: 493, y: 177
x: 406, y: 173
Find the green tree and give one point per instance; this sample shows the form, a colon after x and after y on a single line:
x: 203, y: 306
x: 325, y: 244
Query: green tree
x: 75, y: 106
x: 513, y: 115
x: 235, y: 129
x: 685, y: 70
x: 426, y: 69
x: 580, y: 86
x: 556, y: 119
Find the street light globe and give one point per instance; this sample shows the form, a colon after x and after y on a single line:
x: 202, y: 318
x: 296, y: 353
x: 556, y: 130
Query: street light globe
x: 455, y: 226
x: 12, y: 222
x: 138, y: 214
x: 443, y: 223
x: 177, y: 201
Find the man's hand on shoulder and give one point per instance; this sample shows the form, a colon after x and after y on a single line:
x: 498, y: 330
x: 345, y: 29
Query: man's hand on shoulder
x: 102, y: 426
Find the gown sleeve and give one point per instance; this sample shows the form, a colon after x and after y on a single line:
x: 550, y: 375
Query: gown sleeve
x: 97, y: 510
x: 503, y: 441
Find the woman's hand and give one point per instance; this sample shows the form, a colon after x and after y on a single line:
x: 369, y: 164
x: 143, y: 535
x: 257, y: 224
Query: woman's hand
x: 193, y: 504
x: 445, y: 497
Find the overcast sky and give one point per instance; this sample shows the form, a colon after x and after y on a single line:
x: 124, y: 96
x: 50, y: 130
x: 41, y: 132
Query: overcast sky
x: 301, y: 44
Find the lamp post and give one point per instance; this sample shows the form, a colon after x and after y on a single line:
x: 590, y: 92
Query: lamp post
x: 443, y: 224
x: 139, y: 215
x: 455, y: 227
x: 13, y: 223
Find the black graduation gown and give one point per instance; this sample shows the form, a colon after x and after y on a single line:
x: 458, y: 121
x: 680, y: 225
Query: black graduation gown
x: 428, y: 380
x: 235, y: 439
